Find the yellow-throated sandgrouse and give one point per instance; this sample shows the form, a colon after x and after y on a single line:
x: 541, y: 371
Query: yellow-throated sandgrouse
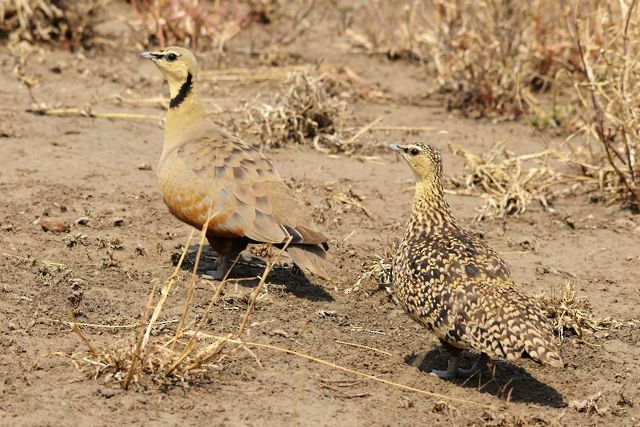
x: 456, y: 286
x: 206, y: 174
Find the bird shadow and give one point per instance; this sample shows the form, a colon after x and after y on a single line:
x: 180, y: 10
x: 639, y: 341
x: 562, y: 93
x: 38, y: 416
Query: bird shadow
x: 246, y: 273
x: 500, y: 379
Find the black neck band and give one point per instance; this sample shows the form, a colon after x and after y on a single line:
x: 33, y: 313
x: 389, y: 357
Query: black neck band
x: 182, y: 93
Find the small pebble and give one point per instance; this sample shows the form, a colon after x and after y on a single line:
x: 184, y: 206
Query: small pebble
x: 83, y: 220
x: 53, y: 224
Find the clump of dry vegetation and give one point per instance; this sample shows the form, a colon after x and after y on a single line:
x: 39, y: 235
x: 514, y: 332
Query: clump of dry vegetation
x: 197, y: 23
x: 191, y: 22
x: 566, y: 65
x: 480, y: 53
x: 377, y: 268
x: 509, y: 183
x: 310, y: 109
x: 179, y: 354
x: 571, y: 314
x: 60, y: 22
x: 608, y: 42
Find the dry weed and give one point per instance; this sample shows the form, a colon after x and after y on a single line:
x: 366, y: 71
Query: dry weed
x: 187, y: 22
x: 509, y: 183
x: 571, y: 314
x: 60, y: 22
x: 480, y: 53
x: 200, y: 23
x: 608, y: 42
x: 181, y: 355
x: 378, y: 267
x: 309, y: 109
x: 510, y: 58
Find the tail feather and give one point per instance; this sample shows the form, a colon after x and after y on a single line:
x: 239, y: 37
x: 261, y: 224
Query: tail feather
x: 540, y: 347
x: 518, y: 327
x: 309, y: 257
x: 530, y: 332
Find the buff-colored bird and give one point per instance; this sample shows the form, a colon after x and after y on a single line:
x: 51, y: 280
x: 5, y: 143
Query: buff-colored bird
x: 208, y: 175
x: 456, y: 286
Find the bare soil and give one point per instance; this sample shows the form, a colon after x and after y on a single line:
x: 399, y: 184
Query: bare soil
x: 101, y: 270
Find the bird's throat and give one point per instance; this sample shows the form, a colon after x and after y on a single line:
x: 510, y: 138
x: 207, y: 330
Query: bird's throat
x: 178, y: 97
x: 429, y: 205
x: 186, y: 112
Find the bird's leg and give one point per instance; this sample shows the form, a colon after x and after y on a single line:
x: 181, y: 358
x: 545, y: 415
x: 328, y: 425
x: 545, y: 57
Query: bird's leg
x: 478, y: 366
x: 224, y: 262
x: 454, y: 361
x: 228, y: 250
x: 452, y: 369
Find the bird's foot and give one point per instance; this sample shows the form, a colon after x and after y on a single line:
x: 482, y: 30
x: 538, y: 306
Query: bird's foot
x: 459, y: 373
x: 213, y: 275
x: 454, y: 371
x: 224, y: 264
x: 442, y: 374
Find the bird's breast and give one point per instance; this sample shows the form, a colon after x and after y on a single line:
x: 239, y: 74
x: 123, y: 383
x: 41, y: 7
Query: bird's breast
x: 197, y: 202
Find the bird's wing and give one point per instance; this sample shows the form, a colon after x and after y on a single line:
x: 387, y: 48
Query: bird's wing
x: 474, y: 261
x: 243, y: 192
x: 487, y: 313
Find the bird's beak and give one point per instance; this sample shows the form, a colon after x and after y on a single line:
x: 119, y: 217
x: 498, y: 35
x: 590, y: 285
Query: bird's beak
x: 151, y: 55
x: 398, y: 148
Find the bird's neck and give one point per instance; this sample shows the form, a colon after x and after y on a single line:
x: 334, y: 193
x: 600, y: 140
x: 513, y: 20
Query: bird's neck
x: 429, y: 207
x: 186, y: 112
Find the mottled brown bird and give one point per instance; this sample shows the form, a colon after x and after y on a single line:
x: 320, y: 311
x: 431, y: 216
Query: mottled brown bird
x: 208, y: 175
x: 456, y: 286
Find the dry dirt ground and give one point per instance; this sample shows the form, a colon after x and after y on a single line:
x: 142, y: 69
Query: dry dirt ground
x: 103, y: 268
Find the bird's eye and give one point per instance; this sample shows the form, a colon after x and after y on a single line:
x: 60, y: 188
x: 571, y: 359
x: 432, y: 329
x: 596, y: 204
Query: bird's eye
x: 414, y: 152
x: 171, y: 57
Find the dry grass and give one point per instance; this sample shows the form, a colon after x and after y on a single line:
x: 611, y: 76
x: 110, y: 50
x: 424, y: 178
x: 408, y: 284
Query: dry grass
x: 480, y: 53
x: 608, y: 42
x: 509, y: 183
x: 573, y: 315
x: 377, y: 268
x: 212, y: 24
x: 566, y: 65
x: 309, y: 109
x: 184, y: 355
x: 62, y: 22
x: 189, y: 22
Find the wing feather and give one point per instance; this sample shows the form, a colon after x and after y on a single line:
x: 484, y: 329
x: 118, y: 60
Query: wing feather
x: 250, y: 198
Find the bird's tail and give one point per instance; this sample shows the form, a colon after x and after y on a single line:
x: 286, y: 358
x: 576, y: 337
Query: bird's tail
x: 309, y: 257
x: 529, y: 331
x: 540, y: 346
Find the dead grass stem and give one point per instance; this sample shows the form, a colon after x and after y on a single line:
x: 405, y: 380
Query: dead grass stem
x: 571, y: 314
x: 310, y: 109
x: 349, y: 370
x: 61, y: 22
x: 563, y: 65
x: 510, y: 183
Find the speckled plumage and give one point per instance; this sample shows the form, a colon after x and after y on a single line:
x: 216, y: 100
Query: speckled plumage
x: 455, y: 285
x: 208, y: 177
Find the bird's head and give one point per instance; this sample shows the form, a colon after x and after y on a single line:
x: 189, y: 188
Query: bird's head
x: 176, y: 63
x: 424, y: 159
